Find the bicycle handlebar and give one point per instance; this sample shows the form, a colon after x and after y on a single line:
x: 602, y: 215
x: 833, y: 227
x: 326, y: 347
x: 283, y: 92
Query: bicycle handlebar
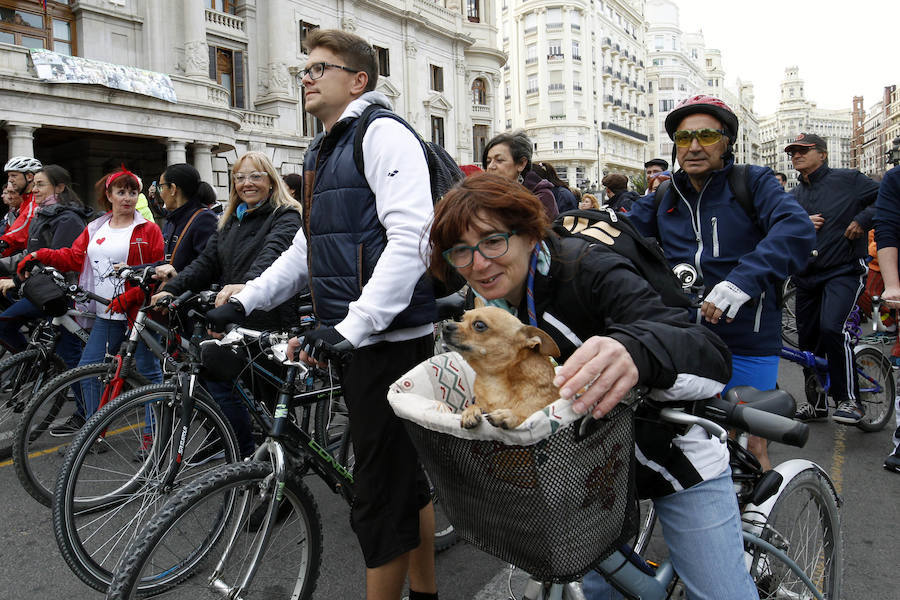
x: 758, y: 422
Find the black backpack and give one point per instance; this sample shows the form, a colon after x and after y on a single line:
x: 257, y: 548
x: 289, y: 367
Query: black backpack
x: 442, y: 168
x: 614, y: 231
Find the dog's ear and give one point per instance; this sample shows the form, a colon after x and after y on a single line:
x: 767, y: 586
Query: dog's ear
x: 479, y: 302
x: 540, y: 340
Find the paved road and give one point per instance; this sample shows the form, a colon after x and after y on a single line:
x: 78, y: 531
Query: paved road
x: 32, y: 567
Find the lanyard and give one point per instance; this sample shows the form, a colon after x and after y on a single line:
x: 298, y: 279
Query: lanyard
x: 529, y: 291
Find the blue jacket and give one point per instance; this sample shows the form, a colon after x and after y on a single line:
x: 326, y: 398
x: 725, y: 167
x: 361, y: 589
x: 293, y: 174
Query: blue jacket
x: 887, y: 211
x: 712, y: 232
x: 344, y: 235
x: 565, y: 199
x: 840, y: 196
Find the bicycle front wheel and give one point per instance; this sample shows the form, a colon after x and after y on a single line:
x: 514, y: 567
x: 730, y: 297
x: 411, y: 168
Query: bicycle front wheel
x: 805, y: 524
x: 121, y: 469
x: 224, y: 511
x: 876, y: 388
x: 21, y: 376
x: 42, y: 435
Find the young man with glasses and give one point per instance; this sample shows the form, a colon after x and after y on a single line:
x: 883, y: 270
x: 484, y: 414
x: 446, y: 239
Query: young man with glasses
x: 840, y: 203
x: 360, y: 250
x: 741, y: 254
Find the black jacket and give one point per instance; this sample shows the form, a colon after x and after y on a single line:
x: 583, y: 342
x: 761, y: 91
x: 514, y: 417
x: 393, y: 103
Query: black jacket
x: 590, y: 290
x: 56, y: 226
x: 565, y: 199
x: 202, y: 228
x: 239, y: 252
x: 840, y: 196
x: 622, y: 201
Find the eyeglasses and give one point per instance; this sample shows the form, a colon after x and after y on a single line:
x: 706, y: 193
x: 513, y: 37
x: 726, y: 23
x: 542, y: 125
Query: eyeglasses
x: 706, y: 137
x: 254, y: 177
x: 316, y: 70
x: 802, y: 150
x: 493, y: 246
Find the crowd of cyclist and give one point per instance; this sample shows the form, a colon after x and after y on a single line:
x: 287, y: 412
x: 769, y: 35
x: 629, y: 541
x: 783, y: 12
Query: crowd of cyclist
x: 259, y: 234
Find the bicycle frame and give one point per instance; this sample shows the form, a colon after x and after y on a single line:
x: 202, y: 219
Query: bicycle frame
x: 819, y: 365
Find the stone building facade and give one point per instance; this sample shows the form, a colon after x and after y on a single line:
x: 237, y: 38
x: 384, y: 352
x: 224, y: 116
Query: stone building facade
x: 233, y: 65
x: 575, y: 82
x: 873, y: 132
x: 795, y: 115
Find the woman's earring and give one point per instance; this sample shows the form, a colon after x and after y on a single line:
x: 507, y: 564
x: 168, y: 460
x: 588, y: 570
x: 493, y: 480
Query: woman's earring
x: 520, y: 179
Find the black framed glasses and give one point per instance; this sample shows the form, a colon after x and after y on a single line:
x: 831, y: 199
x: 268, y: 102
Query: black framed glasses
x: 706, y: 137
x: 316, y: 70
x: 492, y: 246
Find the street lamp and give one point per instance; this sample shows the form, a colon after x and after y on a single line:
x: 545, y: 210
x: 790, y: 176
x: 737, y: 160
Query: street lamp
x: 893, y: 155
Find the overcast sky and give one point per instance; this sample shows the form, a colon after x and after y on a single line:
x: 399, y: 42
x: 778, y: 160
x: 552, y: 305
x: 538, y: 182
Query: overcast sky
x: 843, y: 49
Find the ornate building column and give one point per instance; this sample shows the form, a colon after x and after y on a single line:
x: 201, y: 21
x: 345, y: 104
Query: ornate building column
x: 280, y: 30
x: 196, y: 50
x: 21, y: 138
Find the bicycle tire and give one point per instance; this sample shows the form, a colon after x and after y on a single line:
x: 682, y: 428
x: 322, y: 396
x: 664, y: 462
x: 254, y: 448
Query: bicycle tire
x: 21, y: 376
x: 37, y: 455
x: 879, y: 406
x: 332, y: 420
x: 144, y: 570
x: 648, y: 524
x: 789, y: 316
x: 106, y: 492
x: 804, y: 523
x: 445, y: 535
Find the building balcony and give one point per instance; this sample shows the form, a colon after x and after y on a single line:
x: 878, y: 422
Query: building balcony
x: 531, y: 60
x: 556, y: 87
x: 576, y: 87
x: 576, y: 27
x: 557, y: 117
x: 606, y: 43
x: 617, y: 48
x: 530, y: 30
x: 576, y: 57
x: 607, y: 99
x: 617, y: 102
x: 481, y: 109
x: 229, y: 26
x: 607, y: 72
x: 554, y: 26
x: 531, y: 91
x: 623, y: 131
x: 618, y: 74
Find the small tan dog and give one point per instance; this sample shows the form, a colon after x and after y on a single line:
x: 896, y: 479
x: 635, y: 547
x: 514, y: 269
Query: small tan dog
x: 514, y: 377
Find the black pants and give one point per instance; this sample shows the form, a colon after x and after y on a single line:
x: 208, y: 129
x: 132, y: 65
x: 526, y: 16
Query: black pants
x: 389, y: 484
x: 824, y: 302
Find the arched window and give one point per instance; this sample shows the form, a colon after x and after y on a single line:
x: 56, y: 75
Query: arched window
x: 479, y: 92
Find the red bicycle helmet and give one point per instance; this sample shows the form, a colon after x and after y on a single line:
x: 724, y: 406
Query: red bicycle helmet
x: 704, y: 104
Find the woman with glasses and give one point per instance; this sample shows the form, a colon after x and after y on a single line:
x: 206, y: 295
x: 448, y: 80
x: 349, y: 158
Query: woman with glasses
x: 258, y: 224
x: 509, y: 155
x: 614, y: 332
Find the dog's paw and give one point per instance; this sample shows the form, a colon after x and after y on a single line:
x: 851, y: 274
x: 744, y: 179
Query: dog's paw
x: 503, y: 418
x: 470, y: 417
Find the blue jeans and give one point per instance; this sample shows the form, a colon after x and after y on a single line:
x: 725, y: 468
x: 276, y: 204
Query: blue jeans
x: 107, y: 336
x: 235, y: 411
x: 702, y: 528
x: 67, y: 346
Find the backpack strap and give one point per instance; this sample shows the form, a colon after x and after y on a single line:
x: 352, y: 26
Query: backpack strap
x: 369, y: 114
x: 183, y: 232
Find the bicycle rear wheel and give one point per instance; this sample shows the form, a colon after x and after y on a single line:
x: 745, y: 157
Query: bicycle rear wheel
x: 37, y: 452
x: 221, y: 512
x: 876, y: 388
x: 121, y: 469
x: 21, y: 376
x: 805, y: 524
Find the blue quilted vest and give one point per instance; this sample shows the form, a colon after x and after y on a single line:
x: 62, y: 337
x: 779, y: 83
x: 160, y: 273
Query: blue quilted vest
x: 344, y: 236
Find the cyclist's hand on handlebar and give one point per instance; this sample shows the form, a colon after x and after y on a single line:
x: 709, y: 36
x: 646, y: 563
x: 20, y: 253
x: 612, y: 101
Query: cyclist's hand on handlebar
x: 891, y: 297
x: 316, y: 346
x: 6, y: 285
x: 28, y: 262
x: 597, y: 376
x: 227, y: 292
x: 724, y: 299
x: 165, y: 273
x: 220, y: 316
x: 160, y: 298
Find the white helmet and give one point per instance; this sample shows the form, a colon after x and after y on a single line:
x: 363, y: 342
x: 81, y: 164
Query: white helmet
x: 22, y: 164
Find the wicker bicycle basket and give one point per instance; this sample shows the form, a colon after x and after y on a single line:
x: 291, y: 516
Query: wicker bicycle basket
x: 542, y: 497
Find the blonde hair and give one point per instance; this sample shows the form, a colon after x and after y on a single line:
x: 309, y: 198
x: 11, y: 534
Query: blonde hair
x: 279, y: 196
x: 592, y: 199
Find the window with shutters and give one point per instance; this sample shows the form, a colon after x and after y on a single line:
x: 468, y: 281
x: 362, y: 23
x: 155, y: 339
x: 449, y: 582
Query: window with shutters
x: 226, y: 67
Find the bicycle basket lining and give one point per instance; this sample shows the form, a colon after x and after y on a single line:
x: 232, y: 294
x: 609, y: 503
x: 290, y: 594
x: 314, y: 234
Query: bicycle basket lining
x: 554, y: 505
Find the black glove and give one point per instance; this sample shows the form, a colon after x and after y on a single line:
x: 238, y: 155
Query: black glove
x: 319, y: 344
x: 230, y: 312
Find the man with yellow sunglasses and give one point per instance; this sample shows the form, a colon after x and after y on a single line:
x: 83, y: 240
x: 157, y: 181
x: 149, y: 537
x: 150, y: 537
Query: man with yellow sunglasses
x: 739, y: 230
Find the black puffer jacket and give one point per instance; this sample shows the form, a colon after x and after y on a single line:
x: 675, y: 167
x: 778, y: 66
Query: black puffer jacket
x: 57, y: 226
x: 590, y: 290
x: 622, y: 201
x: 202, y: 228
x: 240, y: 251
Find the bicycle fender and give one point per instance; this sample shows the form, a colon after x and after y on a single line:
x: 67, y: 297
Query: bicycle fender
x: 788, y: 470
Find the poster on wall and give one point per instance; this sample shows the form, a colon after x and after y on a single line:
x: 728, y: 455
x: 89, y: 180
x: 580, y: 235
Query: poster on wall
x: 60, y: 68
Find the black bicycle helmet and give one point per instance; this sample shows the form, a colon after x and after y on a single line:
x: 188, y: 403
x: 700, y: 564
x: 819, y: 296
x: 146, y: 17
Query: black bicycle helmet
x: 704, y: 104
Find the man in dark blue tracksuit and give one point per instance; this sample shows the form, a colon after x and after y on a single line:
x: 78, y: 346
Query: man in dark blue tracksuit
x: 740, y: 260
x: 840, y: 203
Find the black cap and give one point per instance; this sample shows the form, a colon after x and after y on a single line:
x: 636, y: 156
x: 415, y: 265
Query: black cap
x: 658, y: 162
x: 808, y: 140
